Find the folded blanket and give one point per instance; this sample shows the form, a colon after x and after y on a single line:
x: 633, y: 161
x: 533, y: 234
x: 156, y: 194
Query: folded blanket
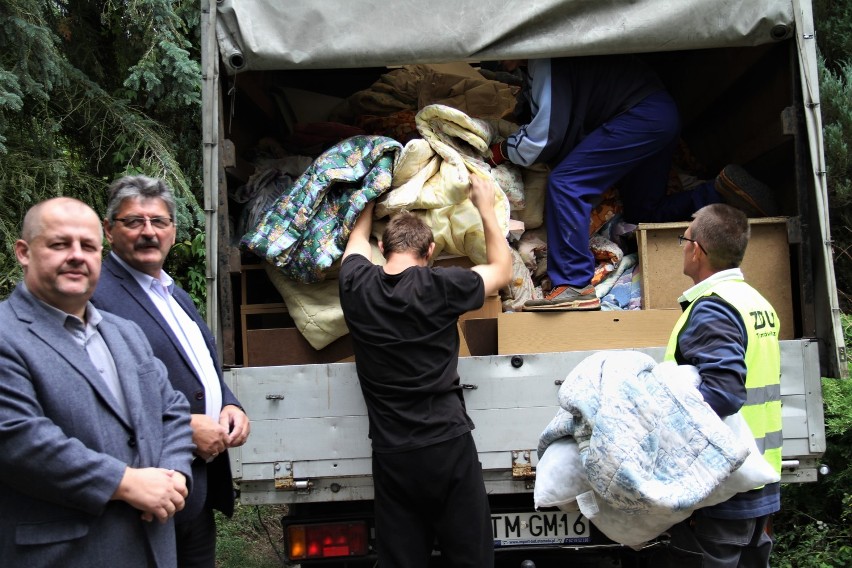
x: 644, y: 448
x: 520, y: 287
x: 306, y: 229
x: 451, y: 132
x: 659, y: 493
x: 621, y: 290
x: 432, y: 178
x: 606, y: 210
x: 421, y: 181
x: 535, y: 189
x: 607, y: 256
x: 510, y: 179
x: 315, y: 308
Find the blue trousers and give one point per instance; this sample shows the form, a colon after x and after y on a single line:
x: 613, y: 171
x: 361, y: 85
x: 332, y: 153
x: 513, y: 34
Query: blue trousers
x: 633, y: 151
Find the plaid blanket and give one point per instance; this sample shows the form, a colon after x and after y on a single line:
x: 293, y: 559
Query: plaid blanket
x: 306, y: 229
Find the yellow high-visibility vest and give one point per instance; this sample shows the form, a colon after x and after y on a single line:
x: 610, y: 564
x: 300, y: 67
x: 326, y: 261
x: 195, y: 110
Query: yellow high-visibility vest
x: 762, y: 409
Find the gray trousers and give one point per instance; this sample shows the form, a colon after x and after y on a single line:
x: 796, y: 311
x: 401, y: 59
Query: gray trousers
x: 721, y: 543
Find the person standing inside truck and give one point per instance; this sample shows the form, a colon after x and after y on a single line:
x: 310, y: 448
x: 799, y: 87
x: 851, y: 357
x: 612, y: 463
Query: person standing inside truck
x: 95, y: 444
x: 140, y: 226
x: 599, y: 122
x: 403, y: 321
x: 730, y: 333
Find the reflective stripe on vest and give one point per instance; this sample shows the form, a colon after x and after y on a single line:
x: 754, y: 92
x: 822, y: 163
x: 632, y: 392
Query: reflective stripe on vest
x: 762, y: 410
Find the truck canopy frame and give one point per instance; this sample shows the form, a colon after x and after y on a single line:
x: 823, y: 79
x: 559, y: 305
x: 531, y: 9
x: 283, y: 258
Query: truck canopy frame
x: 271, y: 35
x: 266, y: 34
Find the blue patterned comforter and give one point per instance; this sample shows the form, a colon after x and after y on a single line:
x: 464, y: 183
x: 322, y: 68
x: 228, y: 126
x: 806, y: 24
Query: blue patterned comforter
x: 646, y: 447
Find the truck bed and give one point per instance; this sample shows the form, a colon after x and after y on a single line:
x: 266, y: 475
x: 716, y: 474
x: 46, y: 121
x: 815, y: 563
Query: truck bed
x: 309, y: 423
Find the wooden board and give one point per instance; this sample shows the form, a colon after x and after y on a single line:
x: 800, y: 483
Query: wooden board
x: 543, y: 332
x: 766, y: 266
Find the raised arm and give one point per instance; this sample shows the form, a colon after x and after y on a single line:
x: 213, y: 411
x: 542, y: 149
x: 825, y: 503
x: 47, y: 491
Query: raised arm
x: 359, y: 238
x: 497, y: 272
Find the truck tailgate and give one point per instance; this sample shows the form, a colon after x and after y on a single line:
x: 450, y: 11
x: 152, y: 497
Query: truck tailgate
x: 309, y: 423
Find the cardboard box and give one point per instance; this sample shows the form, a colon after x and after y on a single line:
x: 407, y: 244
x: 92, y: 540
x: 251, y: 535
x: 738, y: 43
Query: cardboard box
x: 491, y: 308
x: 464, y: 350
x: 460, y: 261
x: 548, y: 332
x: 279, y: 344
x: 479, y: 336
x: 287, y: 346
x: 766, y: 266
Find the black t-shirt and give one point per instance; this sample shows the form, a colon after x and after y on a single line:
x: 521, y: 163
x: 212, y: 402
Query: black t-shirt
x: 405, y: 337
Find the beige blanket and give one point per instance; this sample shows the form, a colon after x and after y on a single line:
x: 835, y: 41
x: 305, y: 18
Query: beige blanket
x: 432, y: 176
x: 315, y: 308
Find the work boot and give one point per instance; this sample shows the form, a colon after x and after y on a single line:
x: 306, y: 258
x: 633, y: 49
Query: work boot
x: 751, y: 196
x: 565, y: 298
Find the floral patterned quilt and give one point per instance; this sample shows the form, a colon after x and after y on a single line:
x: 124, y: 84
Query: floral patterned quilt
x: 307, y: 227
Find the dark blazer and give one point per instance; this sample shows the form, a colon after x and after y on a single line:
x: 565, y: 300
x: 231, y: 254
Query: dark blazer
x: 64, y: 447
x: 119, y: 292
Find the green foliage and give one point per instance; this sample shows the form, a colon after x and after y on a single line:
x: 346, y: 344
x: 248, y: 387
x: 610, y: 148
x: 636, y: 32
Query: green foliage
x: 186, y: 264
x: 836, y: 97
x: 834, y: 37
x: 814, y: 544
x: 252, y: 538
x: 834, y: 30
x: 814, y: 527
x: 836, y: 110
x: 91, y: 90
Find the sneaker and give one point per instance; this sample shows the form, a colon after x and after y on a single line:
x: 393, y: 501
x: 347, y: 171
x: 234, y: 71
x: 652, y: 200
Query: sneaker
x: 565, y: 298
x: 751, y: 196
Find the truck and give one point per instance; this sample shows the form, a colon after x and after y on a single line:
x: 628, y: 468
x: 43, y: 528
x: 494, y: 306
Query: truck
x: 744, y: 75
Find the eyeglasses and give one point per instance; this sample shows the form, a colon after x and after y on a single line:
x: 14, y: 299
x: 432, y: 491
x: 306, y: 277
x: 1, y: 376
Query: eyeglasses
x: 681, y: 238
x: 138, y: 222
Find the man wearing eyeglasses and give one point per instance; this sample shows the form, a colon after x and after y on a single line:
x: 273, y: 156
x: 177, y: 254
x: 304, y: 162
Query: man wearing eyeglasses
x: 140, y: 227
x: 729, y: 332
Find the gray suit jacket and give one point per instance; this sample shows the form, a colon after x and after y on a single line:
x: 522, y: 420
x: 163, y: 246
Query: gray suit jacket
x: 119, y: 293
x: 64, y: 447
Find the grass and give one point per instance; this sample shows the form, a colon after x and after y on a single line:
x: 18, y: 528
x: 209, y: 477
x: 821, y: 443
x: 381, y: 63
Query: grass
x: 252, y: 538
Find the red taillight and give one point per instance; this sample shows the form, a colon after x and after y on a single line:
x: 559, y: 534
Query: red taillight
x: 331, y: 540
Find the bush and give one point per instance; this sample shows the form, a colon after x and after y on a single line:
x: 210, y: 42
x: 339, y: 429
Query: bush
x: 187, y: 265
x: 836, y: 96
x: 252, y: 538
x: 834, y: 29
x: 814, y: 527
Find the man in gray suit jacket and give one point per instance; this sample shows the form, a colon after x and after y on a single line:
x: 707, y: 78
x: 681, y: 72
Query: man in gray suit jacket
x: 95, y: 444
x: 140, y: 226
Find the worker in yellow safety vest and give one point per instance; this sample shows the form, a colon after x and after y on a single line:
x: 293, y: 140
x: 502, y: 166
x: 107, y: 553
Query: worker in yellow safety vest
x: 729, y: 332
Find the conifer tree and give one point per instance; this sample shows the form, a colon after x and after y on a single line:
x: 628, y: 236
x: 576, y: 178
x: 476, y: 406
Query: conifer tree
x: 91, y: 90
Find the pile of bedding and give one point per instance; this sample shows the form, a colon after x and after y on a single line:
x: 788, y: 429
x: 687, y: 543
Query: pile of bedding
x: 425, y: 131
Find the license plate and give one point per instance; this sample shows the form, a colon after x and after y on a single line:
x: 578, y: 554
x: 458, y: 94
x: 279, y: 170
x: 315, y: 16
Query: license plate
x: 555, y: 527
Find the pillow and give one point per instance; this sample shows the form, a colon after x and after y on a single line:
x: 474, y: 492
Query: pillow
x: 559, y: 476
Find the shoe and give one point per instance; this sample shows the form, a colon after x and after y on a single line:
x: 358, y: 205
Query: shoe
x: 565, y: 298
x: 751, y: 196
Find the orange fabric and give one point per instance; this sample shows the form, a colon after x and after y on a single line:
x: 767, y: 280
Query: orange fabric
x: 609, y: 206
x: 400, y: 125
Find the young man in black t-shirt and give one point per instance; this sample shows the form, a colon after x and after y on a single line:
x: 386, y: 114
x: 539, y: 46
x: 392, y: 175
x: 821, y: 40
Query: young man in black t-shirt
x: 403, y: 321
